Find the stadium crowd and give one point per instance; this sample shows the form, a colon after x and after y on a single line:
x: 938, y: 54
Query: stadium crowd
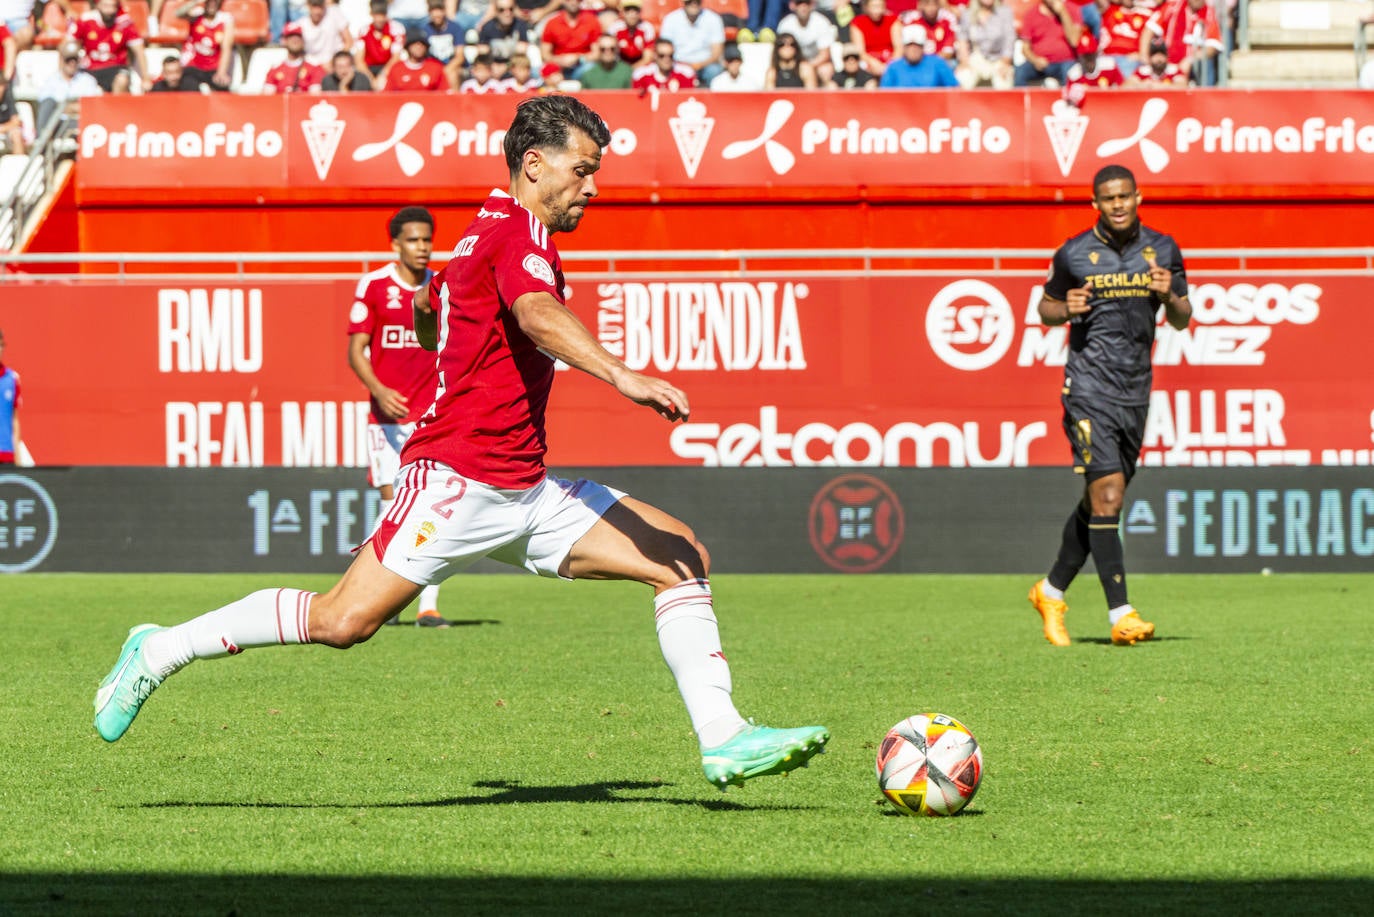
x: 522, y: 46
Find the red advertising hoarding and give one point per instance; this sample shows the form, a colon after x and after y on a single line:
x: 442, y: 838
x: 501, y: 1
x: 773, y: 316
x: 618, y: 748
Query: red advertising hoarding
x: 746, y: 147
x: 781, y: 370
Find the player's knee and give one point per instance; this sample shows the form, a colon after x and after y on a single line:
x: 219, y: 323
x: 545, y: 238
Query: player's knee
x: 341, y: 628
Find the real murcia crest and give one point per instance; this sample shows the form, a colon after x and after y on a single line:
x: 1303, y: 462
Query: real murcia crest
x: 323, y: 130
x: 1066, y: 126
x: 691, y: 128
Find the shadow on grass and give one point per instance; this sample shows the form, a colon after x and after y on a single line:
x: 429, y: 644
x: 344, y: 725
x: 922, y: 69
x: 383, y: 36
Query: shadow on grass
x: 462, y: 622
x: 507, y: 793
x: 1107, y: 641
x: 298, y: 896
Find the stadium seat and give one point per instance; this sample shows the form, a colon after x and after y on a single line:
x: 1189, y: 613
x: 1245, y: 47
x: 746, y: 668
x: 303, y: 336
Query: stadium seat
x: 52, y: 28
x: 655, y: 10
x: 734, y: 12
x: 11, y: 167
x: 259, y: 65
x: 757, y: 57
x: 171, y: 30
x: 31, y: 70
x: 153, y: 56
x: 358, y: 13
x: 251, y: 26
x: 138, y: 12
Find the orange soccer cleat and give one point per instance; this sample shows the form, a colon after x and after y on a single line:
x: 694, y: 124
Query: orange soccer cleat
x: 1130, y: 629
x: 1052, y: 613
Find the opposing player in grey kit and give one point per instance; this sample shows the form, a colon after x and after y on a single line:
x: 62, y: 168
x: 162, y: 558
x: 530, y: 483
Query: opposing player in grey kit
x: 473, y: 481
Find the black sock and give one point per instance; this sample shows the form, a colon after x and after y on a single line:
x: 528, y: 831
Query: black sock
x: 1073, y: 550
x: 1105, y: 538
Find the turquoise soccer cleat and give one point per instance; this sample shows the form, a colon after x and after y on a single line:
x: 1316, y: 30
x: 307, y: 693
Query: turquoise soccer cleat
x: 757, y: 751
x: 122, y: 693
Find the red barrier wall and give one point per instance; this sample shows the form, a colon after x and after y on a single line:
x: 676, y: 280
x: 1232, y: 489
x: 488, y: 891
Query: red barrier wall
x: 782, y: 370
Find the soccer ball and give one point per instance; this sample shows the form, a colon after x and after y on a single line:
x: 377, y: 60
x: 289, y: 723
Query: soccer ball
x: 929, y: 764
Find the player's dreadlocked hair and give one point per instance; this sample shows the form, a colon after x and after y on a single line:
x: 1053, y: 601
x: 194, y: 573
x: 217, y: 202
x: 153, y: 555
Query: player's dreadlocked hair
x: 543, y: 122
x: 1111, y: 173
x: 409, y: 215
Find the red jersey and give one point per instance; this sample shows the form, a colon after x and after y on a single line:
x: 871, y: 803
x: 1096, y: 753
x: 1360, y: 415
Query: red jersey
x: 204, y: 40
x: 104, y: 46
x: 680, y: 77
x: 940, y: 37
x: 1184, y: 31
x: 408, y: 76
x: 4, y: 33
x: 487, y: 420
x: 634, y: 43
x: 380, y: 45
x: 302, y: 76
x: 382, y: 310
x: 1171, y: 75
x: 1078, y: 81
x: 576, y: 37
x: 1121, y: 28
x: 877, y: 35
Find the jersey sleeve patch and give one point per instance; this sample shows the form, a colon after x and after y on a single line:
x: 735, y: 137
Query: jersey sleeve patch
x: 358, y: 314
x: 538, y: 268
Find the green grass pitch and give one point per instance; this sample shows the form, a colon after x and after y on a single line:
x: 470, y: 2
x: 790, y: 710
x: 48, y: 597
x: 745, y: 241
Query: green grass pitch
x: 537, y: 760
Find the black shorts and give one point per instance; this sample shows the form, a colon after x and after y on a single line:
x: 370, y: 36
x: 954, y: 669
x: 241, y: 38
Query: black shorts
x: 193, y: 78
x: 1105, y: 437
x: 105, y: 76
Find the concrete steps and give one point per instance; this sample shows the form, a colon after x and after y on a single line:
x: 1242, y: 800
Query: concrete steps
x: 1299, y: 43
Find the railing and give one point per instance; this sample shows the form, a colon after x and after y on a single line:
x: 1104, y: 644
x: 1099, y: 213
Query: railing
x: 31, y: 190
x: 664, y: 264
x: 1361, y: 47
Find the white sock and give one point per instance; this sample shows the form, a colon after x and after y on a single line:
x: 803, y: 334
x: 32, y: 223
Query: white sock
x: 1051, y: 592
x: 690, y: 640
x: 429, y: 599
x: 1119, y: 612
x: 270, y: 617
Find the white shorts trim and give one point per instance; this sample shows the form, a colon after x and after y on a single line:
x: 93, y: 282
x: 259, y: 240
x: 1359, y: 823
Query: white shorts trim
x: 384, y: 444
x: 441, y: 523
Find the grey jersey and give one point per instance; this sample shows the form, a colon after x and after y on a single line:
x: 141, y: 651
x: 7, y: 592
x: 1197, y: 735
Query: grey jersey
x: 1109, y: 347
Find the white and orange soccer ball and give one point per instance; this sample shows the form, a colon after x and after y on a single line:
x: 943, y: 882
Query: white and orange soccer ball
x: 929, y: 764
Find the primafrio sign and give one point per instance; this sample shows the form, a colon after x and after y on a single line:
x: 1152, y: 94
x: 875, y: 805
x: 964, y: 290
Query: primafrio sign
x: 799, y: 145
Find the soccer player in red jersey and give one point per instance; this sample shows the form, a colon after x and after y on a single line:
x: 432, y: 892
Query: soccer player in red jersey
x: 385, y: 355
x: 473, y: 483
x: 110, y: 41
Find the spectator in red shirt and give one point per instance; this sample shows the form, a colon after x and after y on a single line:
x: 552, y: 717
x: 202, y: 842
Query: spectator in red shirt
x: 1092, y: 71
x: 415, y: 71
x: 1157, y: 71
x: 1049, y: 32
x: 295, y: 74
x: 1122, y: 26
x: 877, y: 35
x: 664, y: 73
x: 568, y: 38
x: 942, y: 28
x: 109, y: 43
x: 380, y: 42
x: 633, y: 35
x: 208, y: 53
x: 9, y: 50
x: 1190, y: 31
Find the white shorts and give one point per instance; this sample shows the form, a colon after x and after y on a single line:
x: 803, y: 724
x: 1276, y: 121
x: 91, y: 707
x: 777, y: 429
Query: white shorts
x: 384, y: 443
x: 441, y: 523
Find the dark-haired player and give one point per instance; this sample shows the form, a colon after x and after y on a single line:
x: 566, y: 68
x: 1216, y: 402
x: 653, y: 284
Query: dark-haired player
x: 385, y: 355
x: 473, y: 482
x: 1108, y: 283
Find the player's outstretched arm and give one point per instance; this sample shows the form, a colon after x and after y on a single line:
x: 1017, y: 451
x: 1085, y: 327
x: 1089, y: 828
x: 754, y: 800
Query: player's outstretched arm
x: 560, y: 334
x: 1178, y: 311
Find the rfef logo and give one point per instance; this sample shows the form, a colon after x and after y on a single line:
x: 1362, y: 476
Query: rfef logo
x: 28, y: 523
x: 856, y: 523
